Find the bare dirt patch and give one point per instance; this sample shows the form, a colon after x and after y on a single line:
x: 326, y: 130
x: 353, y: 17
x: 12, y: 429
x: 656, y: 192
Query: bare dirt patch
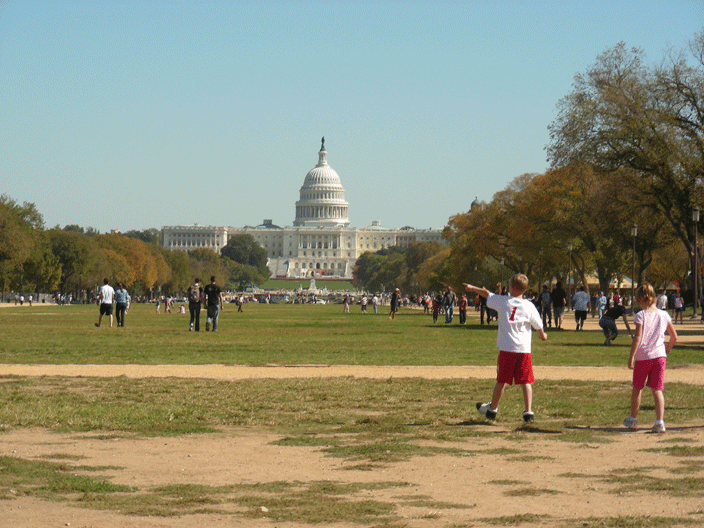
x: 556, y: 481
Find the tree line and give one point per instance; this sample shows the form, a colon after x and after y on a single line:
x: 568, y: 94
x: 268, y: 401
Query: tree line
x: 74, y: 259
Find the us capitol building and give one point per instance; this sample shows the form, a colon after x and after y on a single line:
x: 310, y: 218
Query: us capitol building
x: 320, y: 242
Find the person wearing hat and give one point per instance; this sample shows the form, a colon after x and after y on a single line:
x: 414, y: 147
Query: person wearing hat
x: 395, y: 303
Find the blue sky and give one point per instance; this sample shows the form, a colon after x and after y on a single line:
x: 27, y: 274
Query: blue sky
x: 131, y: 115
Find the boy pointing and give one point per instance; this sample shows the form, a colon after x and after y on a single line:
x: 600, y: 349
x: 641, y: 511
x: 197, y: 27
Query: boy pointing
x: 517, y: 318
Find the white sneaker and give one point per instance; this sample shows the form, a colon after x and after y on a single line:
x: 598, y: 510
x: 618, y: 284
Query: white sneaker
x: 485, y: 409
x: 658, y: 427
x: 631, y: 423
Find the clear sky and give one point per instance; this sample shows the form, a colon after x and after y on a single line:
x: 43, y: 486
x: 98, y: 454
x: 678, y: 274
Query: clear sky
x: 139, y: 114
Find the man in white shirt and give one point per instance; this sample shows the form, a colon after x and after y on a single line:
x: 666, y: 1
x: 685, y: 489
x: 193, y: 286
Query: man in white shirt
x: 662, y: 301
x: 107, y: 293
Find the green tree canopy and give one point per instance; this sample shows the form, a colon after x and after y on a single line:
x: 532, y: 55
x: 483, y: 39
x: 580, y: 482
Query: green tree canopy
x: 243, y: 249
x: 624, y: 114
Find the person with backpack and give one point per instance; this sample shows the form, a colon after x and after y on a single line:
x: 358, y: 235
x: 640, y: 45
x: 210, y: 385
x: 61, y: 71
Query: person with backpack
x: 195, y: 298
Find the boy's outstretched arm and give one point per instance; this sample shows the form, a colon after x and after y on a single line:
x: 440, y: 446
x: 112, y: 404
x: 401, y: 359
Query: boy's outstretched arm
x: 481, y: 291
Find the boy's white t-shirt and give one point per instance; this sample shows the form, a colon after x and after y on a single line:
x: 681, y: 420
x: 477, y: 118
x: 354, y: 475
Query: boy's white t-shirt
x: 517, y: 319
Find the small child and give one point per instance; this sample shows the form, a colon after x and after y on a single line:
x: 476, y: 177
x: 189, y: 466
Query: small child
x: 517, y: 317
x: 437, y: 302
x: 649, y: 355
x: 463, y: 309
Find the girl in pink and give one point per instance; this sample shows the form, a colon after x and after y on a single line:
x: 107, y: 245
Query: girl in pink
x: 648, y: 356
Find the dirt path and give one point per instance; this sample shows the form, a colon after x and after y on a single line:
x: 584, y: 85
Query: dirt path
x: 691, y: 374
x: 558, y: 482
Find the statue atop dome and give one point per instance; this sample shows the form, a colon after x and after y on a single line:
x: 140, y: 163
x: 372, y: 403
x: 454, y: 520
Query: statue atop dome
x: 322, y: 197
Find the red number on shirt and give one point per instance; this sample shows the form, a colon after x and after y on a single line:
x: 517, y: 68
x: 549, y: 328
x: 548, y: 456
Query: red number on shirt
x: 513, y: 312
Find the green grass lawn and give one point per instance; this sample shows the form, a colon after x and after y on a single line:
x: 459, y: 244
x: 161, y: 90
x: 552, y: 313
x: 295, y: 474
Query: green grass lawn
x: 284, y: 334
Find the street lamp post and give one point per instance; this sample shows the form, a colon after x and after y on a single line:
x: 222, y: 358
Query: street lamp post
x: 502, y: 273
x: 695, y: 219
x: 634, y: 234
x: 540, y: 285
x: 569, y: 273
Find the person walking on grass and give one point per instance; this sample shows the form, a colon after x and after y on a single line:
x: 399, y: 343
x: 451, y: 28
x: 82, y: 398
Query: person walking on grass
x: 559, y: 298
x: 462, y: 306
x: 649, y: 356
x: 678, y: 306
x: 195, y: 297
x: 437, y: 303
x: 213, y: 301
x: 545, y: 306
x: 580, y: 302
x: 122, y: 303
x: 105, y: 297
x: 395, y: 303
x: 449, y: 300
x: 517, y: 317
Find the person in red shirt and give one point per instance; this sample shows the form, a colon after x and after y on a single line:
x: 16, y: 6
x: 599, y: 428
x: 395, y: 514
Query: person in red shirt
x: 463, y: 309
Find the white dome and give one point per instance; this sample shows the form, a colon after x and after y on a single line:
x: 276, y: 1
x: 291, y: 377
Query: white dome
x: 322, y: 197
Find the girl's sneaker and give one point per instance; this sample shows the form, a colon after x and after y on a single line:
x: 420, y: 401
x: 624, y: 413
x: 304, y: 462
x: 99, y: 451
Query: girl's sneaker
x: 631, y: 423
x: 659, y: 427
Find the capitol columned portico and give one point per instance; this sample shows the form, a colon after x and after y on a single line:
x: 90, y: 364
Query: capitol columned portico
x: 320, y: 240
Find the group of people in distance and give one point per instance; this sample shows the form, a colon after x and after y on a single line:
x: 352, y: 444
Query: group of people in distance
x: 517, y: 317
x: 210, y: 296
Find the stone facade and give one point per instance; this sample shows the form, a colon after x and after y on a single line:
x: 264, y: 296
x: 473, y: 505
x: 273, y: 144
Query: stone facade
x: 320, y: 242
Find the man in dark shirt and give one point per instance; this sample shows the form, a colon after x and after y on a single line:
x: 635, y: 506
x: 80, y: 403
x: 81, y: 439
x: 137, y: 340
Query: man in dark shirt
x: 608, y: 323
x: 213, y: 301
x: 558, y: 304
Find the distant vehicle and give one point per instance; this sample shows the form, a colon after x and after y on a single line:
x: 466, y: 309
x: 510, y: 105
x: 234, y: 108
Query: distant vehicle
x: 320, y: 301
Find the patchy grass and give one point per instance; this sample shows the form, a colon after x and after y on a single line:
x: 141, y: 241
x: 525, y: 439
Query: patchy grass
x: 49, y: 480
x: 514, y: 520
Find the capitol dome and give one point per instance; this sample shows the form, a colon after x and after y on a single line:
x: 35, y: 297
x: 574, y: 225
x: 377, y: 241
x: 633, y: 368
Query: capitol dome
x: 322, y: 197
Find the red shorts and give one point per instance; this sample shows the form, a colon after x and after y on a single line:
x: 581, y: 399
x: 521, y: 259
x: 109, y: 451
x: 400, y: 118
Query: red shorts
x: 651, y: 369
x: 514, y: 367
